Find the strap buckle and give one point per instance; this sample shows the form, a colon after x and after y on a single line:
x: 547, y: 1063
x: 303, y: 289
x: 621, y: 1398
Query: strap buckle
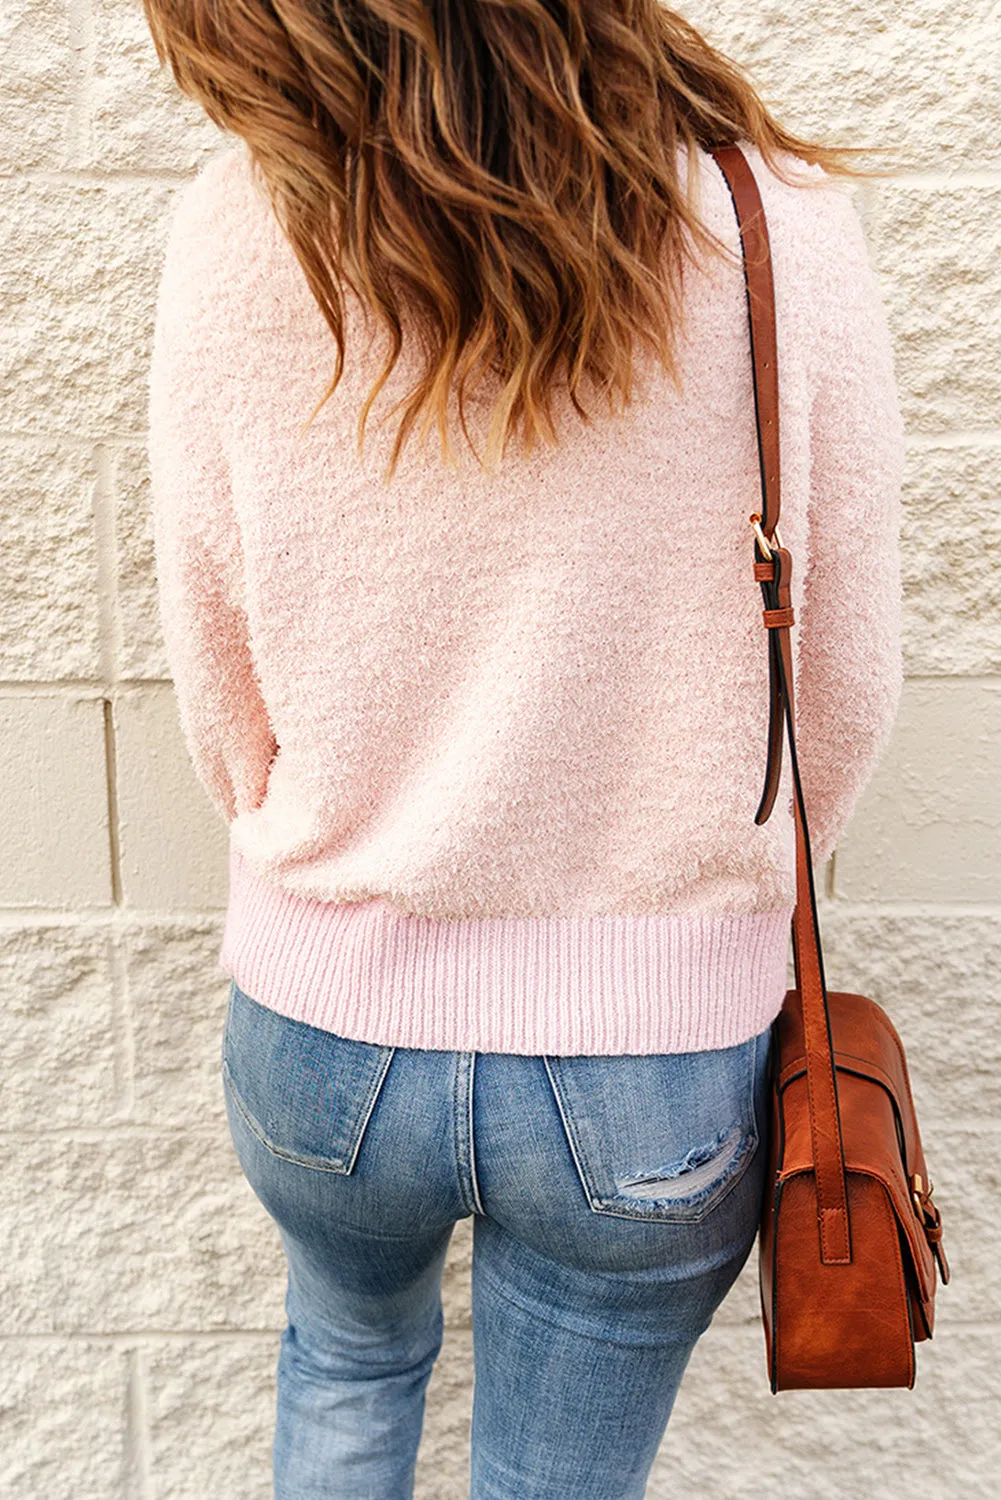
x: 763, y: 543
x: 931, y: 1222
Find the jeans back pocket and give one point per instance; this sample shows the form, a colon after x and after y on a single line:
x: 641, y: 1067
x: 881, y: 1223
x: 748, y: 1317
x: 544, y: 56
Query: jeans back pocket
x: 661, y: 1137
x: 306, y: 1094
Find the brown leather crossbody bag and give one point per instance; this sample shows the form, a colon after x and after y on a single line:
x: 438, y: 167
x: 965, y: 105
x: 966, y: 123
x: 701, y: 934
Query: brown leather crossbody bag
x: 849, y: 1237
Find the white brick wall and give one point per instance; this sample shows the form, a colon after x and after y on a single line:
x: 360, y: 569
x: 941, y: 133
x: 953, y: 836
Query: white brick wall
x: 140, y: 1281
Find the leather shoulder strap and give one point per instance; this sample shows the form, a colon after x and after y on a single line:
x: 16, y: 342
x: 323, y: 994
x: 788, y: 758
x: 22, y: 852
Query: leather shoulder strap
x: 773, y: 571
x: 757, y: 258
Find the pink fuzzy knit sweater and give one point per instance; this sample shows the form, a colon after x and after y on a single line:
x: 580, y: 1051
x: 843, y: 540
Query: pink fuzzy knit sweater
x: 490, y: 747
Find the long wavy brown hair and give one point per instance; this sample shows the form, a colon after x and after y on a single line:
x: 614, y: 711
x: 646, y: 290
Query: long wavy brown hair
x: 506, y: 171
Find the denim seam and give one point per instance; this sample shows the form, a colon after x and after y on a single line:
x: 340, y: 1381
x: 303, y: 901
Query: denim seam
x: 356, y: 1129
x: 227, y: 1023
x: 363, y: 1116
x: 477, y: 1201
x: 459, y: 1079
x: 314, y: 1164
x: 571, y: 1135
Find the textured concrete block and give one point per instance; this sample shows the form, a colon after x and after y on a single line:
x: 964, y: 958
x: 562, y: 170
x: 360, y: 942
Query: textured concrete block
x: 212, y: 1410
x: 49, y: 625
x: 211, y: 1417
x: 54, y: 818
x: 926, y: 828
x: 118, y: 1231
x: 41, y: 71
x: 143, y: 1226
x: 742, y: 1305
x: 965, y: 1168
x: 63, y: 1425
x: 141, y: 652
x: 938, y: 252
x: 177, y: 1003
x: 58, y: 1058
x: 138, y: 118
x: 174, y: 846
x: 456, y: 1288
x: 951, y: 542
x: 730, y: 1438
x: 443, y: 1456
x: 912, y: 78
x: 936, y: 977
x: 78, y: 273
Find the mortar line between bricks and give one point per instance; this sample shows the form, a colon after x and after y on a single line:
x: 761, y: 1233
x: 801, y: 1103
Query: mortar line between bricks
x: 927, y: 910
x: 142, y: 1337
x: 106, y: 177
x: 111, y: 785
x: 985, y: 176
x: 138, y: 1458
x: 124, y: 919
x: 208, y: 1130
x: 969, y: 437
x: 933, y: 179
x: 982, y: 679
x: 80, y: 23
x: 116, y: 442
x: 141, y: 919
x: 146, y: 1338
x: 125, y: 687
x: 113, y: 441
x: 85, y: 689
x: 130, y: 685
x: 146, y: 1130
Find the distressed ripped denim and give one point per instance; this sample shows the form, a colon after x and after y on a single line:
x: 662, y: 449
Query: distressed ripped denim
x: 614, y: 1201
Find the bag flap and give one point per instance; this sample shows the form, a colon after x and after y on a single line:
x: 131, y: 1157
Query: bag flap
x: 866, y: 1042
x: 871, y: 1145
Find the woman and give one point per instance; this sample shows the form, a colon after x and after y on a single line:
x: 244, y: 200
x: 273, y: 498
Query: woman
x: 486, y: 715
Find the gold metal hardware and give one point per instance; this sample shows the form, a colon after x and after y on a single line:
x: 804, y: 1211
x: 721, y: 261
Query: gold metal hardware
x: 922, y: 1197
x: 931, y: 1222
x: 763, y: 543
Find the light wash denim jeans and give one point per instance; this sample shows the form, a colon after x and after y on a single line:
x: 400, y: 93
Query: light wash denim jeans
x: 614, y: 1201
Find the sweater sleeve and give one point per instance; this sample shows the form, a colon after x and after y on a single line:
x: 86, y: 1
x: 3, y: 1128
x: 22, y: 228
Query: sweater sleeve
x: 199, y: 564
x: 849, y: 670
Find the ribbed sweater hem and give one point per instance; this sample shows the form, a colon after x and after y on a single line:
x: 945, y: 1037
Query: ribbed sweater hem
x: 558, y: 985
